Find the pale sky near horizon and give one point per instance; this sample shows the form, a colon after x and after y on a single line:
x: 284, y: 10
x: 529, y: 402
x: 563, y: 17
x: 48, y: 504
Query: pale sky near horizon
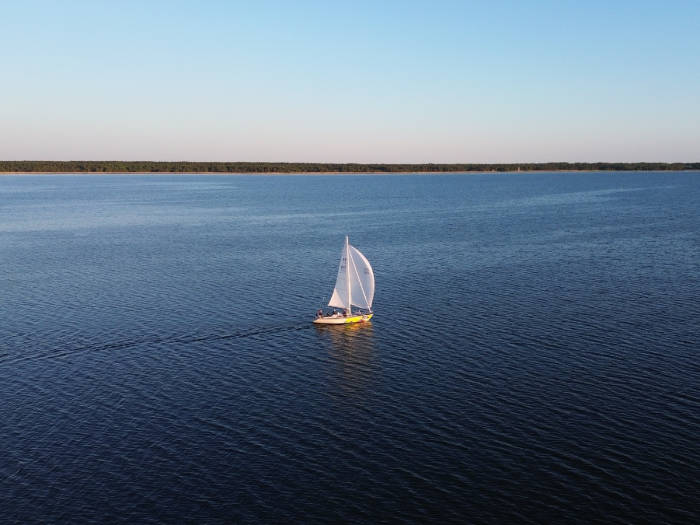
x: 393, y: 81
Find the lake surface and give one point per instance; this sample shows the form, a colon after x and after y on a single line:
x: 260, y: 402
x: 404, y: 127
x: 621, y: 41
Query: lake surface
x: 533, y: 357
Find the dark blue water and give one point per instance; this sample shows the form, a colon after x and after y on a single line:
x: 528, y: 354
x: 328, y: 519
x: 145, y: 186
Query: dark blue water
x: 533, y: 358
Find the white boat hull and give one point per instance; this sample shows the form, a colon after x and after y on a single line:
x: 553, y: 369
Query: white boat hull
x: 340, y: 319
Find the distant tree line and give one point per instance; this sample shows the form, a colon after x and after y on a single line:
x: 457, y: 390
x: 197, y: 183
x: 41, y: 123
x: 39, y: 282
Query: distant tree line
x: 41, y: 166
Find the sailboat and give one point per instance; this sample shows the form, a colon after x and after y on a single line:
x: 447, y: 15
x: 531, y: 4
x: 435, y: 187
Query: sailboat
x: 354, y: 286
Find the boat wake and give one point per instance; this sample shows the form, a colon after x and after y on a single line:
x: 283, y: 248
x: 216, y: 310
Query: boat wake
x: 7, y: 359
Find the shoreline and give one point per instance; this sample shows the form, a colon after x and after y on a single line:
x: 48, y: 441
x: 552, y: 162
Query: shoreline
x: 320, y: 173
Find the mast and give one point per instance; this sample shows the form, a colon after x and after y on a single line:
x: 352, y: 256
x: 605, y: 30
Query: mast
x: 347, y: 274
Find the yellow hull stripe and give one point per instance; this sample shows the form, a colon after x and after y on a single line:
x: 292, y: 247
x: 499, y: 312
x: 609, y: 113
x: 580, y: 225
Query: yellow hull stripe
x: 358, y: 318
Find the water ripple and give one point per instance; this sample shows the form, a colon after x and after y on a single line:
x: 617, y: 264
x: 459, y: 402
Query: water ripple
x: 533, y: 358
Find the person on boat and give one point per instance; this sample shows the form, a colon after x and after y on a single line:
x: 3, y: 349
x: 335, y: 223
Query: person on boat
x: 319, y: 314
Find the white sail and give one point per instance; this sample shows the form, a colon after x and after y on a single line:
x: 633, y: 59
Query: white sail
x: 355, y: 282
x: 339, y: 299
x: 361, y: 279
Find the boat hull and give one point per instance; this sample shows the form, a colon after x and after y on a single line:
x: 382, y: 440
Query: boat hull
x: 343, y: 320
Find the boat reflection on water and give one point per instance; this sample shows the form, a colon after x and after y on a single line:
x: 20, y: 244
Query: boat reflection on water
x: 351, y: 348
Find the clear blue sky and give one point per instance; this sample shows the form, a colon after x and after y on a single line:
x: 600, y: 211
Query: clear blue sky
x: 351, y: 81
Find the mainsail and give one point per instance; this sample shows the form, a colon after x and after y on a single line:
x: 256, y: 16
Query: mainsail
x: 355, y: 283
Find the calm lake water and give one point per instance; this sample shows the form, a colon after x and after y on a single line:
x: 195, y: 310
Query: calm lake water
x: 533, y: 358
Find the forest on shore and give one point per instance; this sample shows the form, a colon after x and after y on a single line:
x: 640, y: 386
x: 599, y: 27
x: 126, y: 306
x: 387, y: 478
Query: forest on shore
x: 47, y: 166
